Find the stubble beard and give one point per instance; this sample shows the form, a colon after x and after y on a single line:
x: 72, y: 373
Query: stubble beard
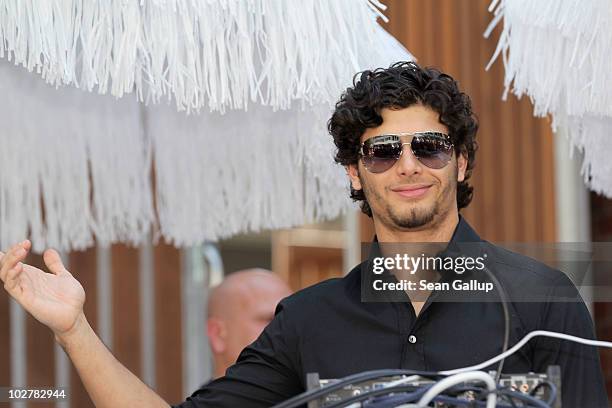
x: 412, y: 219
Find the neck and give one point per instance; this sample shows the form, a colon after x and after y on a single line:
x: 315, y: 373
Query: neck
x: 439, y: 230
x: 220, y: 367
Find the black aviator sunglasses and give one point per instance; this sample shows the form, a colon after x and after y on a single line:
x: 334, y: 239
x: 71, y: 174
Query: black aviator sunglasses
x: 432, y: 149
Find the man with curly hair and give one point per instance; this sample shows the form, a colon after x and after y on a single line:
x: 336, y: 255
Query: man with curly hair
x: 406, y: 136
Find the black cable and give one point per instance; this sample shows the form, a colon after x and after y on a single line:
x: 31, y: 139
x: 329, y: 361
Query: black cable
x: 311, y: 395
x: 482, y: 392
x: 499, y: 392
x: 505, y: 393
x: 512, y: 403
x: 553, y: 391
x: 384, y: 401
x: 457, y: 401
x: 504, y: 301
x: 460, y: 389
x: 381, y: 391
x: 525, y: 397
x: 403, y: 399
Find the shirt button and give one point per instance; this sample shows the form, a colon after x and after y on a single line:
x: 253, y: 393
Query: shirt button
x: 412, y: 339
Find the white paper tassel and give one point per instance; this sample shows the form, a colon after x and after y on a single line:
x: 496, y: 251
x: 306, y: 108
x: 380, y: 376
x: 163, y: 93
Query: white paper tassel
x: 259, y: 77
x: 558, y: 53
x: 243, y: 172
x: 77, y: 166
x: 591, y: 135
x: 217, y: 55
x: 72, y: 166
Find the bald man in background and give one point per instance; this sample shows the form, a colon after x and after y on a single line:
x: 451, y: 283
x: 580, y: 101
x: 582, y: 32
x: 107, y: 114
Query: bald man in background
x: 239, y: 308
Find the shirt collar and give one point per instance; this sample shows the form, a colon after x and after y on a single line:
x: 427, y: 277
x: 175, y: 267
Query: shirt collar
x: 463, y: 233
x: 462, y: 243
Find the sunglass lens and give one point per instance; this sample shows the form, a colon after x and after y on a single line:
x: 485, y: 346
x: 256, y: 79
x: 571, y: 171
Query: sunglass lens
x: 381, y: 156
x: 433, y: 150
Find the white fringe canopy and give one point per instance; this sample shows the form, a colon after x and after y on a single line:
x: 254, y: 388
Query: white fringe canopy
x: 258, y: 77
x: 558, y: 53
x: 213, y: 54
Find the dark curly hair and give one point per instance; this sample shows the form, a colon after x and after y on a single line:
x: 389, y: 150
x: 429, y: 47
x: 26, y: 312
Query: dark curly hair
x: 401, y: 85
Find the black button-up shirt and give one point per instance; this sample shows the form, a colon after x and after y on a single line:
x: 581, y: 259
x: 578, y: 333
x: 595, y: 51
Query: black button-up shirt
x: 326, y: 328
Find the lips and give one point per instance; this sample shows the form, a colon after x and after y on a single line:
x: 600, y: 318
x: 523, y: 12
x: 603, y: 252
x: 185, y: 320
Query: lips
x: 412, y: 191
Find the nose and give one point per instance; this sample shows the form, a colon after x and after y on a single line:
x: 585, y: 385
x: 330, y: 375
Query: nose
x: 408, y: 164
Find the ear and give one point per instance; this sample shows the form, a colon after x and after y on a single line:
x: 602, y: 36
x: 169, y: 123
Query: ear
x: 217, y: 335
x: 353, y: 172
x: 462, y: 163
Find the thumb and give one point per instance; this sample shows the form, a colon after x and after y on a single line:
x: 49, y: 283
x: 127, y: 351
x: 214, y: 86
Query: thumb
x: 54, y: 262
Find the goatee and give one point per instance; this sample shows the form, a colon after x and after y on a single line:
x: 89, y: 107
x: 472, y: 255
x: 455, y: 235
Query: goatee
x: 416, y: 219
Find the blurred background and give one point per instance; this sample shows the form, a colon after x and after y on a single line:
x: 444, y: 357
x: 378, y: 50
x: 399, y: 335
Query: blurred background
x: 148, y: 303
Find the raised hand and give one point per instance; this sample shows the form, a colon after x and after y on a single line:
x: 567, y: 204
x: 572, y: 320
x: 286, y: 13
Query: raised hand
x: 55, y: 299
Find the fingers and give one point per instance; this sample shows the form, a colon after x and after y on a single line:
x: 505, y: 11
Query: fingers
x: 11, y: 277
x: 26, y: 244
x: 54, y: 262
x: 16, y: 254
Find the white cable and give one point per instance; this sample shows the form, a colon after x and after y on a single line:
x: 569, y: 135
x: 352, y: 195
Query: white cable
x: 521, y: 343
x: 402, y: 381
x: 471, y: 373
x: 448, y: 382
